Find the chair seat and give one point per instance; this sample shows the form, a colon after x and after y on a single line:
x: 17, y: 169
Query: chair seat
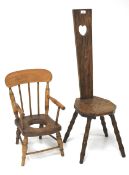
x: 93, y: 107
x: 49, y: 125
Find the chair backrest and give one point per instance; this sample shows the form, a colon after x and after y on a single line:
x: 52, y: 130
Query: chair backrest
x: 26, y: 77
x: 83, y: 40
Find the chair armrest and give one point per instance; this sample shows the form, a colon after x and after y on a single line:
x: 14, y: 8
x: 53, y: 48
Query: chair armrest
x: 56, y: 102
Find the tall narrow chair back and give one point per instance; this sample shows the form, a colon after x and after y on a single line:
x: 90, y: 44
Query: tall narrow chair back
x: 83, y: 40
x: 87, y: 105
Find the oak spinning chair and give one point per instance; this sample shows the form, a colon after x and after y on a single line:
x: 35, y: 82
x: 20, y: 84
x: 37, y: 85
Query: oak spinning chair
x: 87, y: 105
x: 24, y: 124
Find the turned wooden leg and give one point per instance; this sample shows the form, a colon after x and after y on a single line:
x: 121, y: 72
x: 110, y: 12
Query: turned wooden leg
x: 40, y: 126
x: 116, y: 131
x: 104, y: 126
x: 70, y: 126
x: 24, y: 150
x: 18, y: 133
x: 60, y: 143
x: 85, y: 138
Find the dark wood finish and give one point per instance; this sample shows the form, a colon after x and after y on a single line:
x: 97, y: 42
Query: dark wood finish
x: 88, y: 105
x: 53, y: 137
x: 24, y: 123
x: 117, y: 134
x: 18, y: 133
x: 95, y: 106
x: 51, y: 126
x: 84, y: 52
x: 57, y: 115
x: 40, y: 126
x: 70, y: 126
x: 85, y: 138
x: 104, y: 126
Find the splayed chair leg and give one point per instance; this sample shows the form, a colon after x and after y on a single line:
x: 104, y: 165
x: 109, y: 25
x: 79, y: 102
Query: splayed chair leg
x: 104, y: 126
x: 85, y: 138
x: 70, y: 126
x: 117, y: 134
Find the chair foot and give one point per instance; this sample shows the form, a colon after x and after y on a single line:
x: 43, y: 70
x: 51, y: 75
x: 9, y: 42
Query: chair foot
x: 60, y: 143
x: 117, y: 134
x: 40, y: 137
x: 81, y: 161
x: 85, y: 138
x: 18, y: 133
x: 104, y: 126
x: 70, y: 126
x: 24, y: 150
x: 40, y: 126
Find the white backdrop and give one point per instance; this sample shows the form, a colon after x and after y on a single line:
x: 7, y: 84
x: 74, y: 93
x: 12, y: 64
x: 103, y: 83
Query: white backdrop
x: 39, y: 34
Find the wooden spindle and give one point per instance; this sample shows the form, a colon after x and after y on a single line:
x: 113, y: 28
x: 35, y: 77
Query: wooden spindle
x: 47, y: 99
x: 20, y: 94
x: 29, y: 99
x: 57, y: 115
x: 38, y: 105
x: 12, y: 98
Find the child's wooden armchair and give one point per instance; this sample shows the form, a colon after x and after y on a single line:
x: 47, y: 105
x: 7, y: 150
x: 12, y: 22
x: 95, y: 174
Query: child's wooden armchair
x: 47, y: 125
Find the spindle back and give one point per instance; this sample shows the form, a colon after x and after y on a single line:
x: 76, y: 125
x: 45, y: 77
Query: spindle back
x: 27, y: 77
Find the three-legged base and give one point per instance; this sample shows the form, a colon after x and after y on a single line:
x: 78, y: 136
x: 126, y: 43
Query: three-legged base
x: 87, y: 129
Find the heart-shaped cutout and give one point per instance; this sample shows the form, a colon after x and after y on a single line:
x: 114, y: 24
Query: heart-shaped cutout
x: 82, y: 30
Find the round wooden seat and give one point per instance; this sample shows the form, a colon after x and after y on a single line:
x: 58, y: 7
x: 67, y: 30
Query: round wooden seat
x: 93, y: 107
x: 50, y: 126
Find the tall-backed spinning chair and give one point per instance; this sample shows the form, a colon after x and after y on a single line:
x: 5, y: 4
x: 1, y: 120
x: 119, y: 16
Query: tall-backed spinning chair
x: 87, y: 105
x: 25, y: 123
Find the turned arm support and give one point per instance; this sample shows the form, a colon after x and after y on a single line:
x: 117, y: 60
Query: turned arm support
x: 16, y: 108
x: 57, y: 103
x: 18, y: 112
